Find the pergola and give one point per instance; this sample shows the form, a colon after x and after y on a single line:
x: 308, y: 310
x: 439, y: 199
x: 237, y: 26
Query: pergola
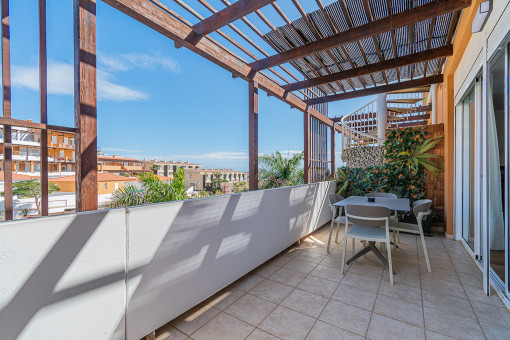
x: 348, y: 49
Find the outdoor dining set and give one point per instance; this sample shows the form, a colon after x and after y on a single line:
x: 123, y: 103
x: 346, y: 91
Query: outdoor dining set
x: 371, y: 219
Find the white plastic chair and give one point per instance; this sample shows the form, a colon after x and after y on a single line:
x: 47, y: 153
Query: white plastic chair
x: 421, y: 208
x: 336, y: 218
x: 366, y: 226
x: 394, y: 216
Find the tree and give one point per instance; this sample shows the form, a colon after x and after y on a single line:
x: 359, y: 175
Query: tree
x: 216, y: 180
x: 31, y: 188
x: 155, y: 168
x: 279, y: 171
x: 152, y: 190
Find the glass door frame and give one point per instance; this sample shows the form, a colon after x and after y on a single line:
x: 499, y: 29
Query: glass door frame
x: 460, y: 116
x: 489, y: 275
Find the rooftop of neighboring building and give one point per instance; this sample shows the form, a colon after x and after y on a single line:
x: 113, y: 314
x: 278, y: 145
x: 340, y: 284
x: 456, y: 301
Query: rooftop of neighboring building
x: 18, y: 177
x: 101, y: 177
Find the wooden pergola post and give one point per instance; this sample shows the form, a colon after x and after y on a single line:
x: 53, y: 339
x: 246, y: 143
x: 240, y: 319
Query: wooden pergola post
x: 306, y: 146
x: 6, y: 105
x: 253, y: 106
x: 333, y: 170
x: 85, y: 104
x: 43, y: 87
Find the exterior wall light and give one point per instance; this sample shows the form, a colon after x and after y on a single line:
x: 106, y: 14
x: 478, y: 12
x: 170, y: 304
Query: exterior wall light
x: 481, y: 16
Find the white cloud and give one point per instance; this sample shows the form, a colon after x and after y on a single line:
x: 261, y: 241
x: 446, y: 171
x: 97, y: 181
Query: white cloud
x: 61, y: 82
x: 219, y: 155
x: 121, y: 150
x: 126, y: 62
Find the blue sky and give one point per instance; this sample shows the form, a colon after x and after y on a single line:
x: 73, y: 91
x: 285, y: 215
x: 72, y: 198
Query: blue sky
x: 155, y: 101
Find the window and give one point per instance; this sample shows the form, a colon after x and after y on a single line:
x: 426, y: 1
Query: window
x: 64, y: 168
x: 104, y: 186
x: 66, y: 140
x: 116, y: 186
x: 53, y: 139
x: 62, y: 154
x: 72, y: 142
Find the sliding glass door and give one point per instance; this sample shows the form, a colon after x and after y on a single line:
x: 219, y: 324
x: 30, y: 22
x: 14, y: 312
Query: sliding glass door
x: 497, y: 168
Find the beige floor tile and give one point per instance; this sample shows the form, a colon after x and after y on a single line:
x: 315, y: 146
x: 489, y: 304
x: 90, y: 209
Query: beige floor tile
x: 327, y: 273
x: 318, y: 286
x: 476, y: 293
x: 361, y: 281
x: 493, y: 332
x: 439, y: 274
x: 431, y: 335
x: 399, y: 309
x: 247, y: 282
x: 259, y: 334
x: 448, y: 303
x: 300, y: 266
x: 168, y: 332
x: 452, y: 325
x: 195, y: 318
x: 305, y: 302
x: 225, y: 298
x: 347, y: 317
x: 469, y: 279
x: 400, y: 291
x: 265, y: 270
x: 324, y: 331
x: 287, y: 324
x: 403, y: 277
x: 251, y: 309
x: 465, y: 268
x: 271, y: 291
x: 367, y: 267
x: 310, y: 257
x: 332, y: 261
x: 223, y: 327
x: 435, y: 285
x: 355, y: 296
x: 280, y: 261
x: 385, y: 328
x: 491, y: 314
x: 288, y: 277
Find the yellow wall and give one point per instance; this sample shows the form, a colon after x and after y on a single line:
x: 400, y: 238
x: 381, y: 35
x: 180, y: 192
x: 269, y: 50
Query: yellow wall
x: 110, y: 186
x: 446, y: 105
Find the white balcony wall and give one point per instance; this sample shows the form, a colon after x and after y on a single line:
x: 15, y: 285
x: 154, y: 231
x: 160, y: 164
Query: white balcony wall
x: 69, y: 277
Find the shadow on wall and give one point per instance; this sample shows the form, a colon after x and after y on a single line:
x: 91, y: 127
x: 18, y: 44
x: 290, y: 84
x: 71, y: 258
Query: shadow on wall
x: 69, y: 272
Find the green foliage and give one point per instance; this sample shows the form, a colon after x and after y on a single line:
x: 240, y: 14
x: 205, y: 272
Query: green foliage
x: 240, y: 187
x: 31, y: 188
x: 403, y: 172
x: 279, y: 171
x: 216, y: 180
x: 152, y: 190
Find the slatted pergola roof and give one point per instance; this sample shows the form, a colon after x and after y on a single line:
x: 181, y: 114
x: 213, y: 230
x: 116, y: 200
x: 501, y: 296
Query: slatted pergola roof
x: 345, y: 49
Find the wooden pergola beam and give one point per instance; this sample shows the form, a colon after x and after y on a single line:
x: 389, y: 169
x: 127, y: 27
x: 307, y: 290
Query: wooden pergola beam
x: 378, y: 89
x: 227, y: 15
x: 253, y: 135
x: 392, y: 22
x: 409, y: 59
x: 154, y: 17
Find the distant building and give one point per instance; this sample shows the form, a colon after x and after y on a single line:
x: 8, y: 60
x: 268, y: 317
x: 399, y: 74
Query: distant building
x: 106, y: 183
x: 26, y: 150
x: 167, y: 168
x: 202, y: 179
x: 118, y: 165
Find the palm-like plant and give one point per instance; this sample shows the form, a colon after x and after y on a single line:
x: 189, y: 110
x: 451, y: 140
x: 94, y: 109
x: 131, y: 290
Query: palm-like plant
x: 421, y: 157
x: 278, y: 171
x: 152, y: 190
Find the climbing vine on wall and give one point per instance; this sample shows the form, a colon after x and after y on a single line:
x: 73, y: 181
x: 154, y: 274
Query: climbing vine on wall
x: 392, y: 176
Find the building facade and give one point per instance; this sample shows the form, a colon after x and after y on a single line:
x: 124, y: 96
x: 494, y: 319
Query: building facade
x: 473, y: 104
x: 118, y: 165
x: 26, y: 150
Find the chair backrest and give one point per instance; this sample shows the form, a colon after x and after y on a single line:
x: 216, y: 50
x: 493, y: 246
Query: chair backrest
x: 421, y: 206
x: 381, y: 194
x: 333, y: 199
x: 367, y: 216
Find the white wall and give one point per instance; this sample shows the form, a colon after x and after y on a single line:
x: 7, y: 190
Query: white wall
x: 67, y: 275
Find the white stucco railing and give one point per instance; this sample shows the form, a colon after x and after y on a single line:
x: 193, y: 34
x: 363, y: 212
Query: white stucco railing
x: 121, y: 273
